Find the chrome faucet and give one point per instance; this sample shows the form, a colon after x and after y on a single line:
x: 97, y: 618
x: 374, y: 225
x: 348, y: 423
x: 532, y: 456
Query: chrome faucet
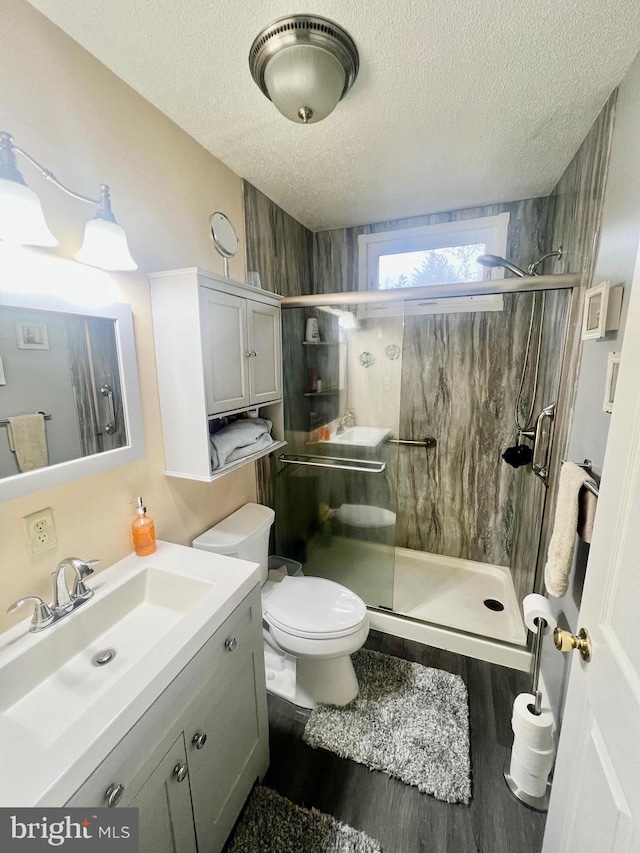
x: 346, y: 422
x: 62, y: 598
x: 64, y: 602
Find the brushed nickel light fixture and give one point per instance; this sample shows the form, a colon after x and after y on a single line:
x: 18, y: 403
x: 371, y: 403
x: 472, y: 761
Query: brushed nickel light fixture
x: 22, y: 221
x: 305, y: 64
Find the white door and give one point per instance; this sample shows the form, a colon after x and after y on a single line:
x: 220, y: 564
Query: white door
x: 264, y: 344
x: 595, y: 801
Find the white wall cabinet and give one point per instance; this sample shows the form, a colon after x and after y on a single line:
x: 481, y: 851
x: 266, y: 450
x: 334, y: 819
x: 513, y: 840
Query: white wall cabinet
x: 191, y: 760
x: 218, y: 352
x: 241, y: 346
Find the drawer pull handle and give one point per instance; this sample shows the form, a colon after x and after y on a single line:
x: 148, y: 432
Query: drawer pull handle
x: 231, y: 644
x: 199, y: 740
x: 180, y: 771
x: 113, y: 795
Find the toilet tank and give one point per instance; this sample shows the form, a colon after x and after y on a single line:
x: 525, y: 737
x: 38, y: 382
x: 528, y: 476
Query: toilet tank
x: 243, y: 534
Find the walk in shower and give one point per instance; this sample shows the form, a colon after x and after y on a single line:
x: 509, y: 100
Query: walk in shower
x: 396, y: 419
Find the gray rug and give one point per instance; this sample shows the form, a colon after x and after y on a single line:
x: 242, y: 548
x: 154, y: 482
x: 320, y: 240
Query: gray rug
x: 408, y: 720
x: 272, y: 824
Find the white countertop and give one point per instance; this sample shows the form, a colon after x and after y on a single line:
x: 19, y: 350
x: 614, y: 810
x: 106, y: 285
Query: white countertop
x: 47, y: 771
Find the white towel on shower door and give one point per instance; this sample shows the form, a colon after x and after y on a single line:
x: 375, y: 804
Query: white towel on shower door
x: 565, y: 528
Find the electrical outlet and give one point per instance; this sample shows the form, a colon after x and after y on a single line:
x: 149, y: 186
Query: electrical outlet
x: 41, y: 531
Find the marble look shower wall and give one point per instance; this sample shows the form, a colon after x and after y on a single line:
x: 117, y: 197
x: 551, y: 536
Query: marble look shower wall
x: 460, y: 375
x: 279, y: 249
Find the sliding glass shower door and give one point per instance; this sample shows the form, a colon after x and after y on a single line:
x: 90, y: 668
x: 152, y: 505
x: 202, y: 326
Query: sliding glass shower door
x: 336, y: 483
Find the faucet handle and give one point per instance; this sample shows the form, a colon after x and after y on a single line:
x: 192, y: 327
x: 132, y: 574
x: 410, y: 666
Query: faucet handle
x: 42, y: 614
x: 83, y: 569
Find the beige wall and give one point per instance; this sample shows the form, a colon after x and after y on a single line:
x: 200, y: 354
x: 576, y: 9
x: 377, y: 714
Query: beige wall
x: 86, y: 125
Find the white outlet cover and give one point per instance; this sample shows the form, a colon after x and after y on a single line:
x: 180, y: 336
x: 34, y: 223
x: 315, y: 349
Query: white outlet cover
x: 40, y: 530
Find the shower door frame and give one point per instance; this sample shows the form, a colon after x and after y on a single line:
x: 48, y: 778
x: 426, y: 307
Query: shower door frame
x: 441, y: 636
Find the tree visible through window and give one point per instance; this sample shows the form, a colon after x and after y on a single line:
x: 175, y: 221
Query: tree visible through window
x: 430, y: 266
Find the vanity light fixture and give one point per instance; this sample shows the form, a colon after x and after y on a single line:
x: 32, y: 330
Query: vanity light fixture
x: 22, y: 221
x: 305, y: 64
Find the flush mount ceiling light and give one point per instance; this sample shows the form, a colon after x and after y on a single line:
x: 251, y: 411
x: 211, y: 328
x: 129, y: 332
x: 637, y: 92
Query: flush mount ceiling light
x: 305, y: 64
x: 22, y: 221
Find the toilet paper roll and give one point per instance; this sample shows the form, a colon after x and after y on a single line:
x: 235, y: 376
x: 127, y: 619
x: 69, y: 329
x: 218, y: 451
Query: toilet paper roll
x: 537, y: 606
x: 537, y: 762
x: 535, y: 786
x: 534, y: 730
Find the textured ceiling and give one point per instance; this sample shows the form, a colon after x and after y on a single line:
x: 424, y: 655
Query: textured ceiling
x: 458, y: 102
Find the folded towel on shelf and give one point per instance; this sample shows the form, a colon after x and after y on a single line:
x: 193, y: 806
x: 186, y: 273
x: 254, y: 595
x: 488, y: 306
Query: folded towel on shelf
x: 565, y: 528
x: 28, y: 440
x: 239, y: 439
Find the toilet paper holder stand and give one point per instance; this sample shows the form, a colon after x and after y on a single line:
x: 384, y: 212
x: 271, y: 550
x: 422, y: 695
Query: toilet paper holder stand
x: 538, y: 804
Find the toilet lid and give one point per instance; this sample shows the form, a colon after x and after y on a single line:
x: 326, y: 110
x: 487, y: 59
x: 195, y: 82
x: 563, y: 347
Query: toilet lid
x: 314, y: 608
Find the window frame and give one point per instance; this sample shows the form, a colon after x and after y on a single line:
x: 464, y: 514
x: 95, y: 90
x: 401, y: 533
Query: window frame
x: 490, y: 230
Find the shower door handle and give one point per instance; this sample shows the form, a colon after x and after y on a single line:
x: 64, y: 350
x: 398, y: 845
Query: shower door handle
x: 111, y: 427
x: 541, y: 455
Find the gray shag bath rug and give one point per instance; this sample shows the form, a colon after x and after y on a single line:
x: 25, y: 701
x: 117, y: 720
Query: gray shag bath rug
x: 408, y: 720
x: 272, y: 824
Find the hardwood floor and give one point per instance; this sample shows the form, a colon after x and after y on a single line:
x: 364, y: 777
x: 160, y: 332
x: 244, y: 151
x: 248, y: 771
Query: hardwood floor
x: 399, y: 816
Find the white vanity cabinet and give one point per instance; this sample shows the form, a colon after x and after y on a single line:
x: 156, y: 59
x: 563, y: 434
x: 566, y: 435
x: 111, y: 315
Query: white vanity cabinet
x: 191, y: 760
x: 218, y: 353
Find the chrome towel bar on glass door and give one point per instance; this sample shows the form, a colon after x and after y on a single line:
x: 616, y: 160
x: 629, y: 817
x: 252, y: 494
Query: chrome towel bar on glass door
x: 364, y: 466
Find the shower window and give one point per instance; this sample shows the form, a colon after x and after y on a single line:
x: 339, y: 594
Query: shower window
x: 430, y: 255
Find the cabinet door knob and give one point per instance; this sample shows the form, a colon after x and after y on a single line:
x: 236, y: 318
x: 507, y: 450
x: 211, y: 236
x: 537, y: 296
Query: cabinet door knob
x: 247, y: 354
x: 254, y: 353
x: 231, y: 644
x: 180, y: 771
x: 199, y: 740
x: 113, y: 794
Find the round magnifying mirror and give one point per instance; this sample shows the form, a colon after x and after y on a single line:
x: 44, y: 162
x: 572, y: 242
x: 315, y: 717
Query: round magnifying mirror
x: 224, y: 237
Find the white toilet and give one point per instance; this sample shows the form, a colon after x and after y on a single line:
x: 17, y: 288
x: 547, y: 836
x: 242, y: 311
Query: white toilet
x: 311, y: 625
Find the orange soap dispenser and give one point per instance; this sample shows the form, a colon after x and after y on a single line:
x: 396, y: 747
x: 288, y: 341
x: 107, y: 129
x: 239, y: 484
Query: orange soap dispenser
x: 143, y: 530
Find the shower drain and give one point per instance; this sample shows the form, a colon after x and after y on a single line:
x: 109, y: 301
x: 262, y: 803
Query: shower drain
x: 102, y: 658
x: 493, y: 604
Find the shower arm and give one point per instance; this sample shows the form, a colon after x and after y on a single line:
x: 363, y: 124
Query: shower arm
x: 532, y: 269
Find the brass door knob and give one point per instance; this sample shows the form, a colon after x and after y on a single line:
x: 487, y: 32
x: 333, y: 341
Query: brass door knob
x: 565, y: 641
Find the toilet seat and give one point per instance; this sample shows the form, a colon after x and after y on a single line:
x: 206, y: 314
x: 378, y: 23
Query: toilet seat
x: 314, y: 608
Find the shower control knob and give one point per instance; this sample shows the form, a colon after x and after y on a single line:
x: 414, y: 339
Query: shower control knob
x: 180, y: 771
x: 199, y: 740
x: 113, y: 795
x: 231, y: 644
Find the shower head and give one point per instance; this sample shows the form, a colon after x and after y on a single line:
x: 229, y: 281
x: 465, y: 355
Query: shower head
x: 497, y: 261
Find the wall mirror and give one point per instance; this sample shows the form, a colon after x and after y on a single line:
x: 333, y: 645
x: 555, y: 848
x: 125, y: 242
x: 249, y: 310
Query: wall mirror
x: 77, y: 367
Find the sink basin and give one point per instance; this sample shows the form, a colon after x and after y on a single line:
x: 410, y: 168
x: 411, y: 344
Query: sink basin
x: 360, y: 436
x: 59, y: 674
x: 56, y: 704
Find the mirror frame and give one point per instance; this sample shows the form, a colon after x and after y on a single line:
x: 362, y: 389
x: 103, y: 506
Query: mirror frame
x: 30, y: 482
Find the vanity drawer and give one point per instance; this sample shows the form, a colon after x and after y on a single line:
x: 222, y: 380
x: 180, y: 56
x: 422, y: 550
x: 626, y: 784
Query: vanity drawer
x: 135, y: 757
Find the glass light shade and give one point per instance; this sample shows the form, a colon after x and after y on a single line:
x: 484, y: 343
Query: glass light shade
x: 21, y: 218
x: 304, y: 76
x: 105, y: 246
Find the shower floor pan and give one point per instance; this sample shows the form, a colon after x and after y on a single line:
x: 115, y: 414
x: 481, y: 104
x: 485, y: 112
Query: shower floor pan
x: 476, y: 598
